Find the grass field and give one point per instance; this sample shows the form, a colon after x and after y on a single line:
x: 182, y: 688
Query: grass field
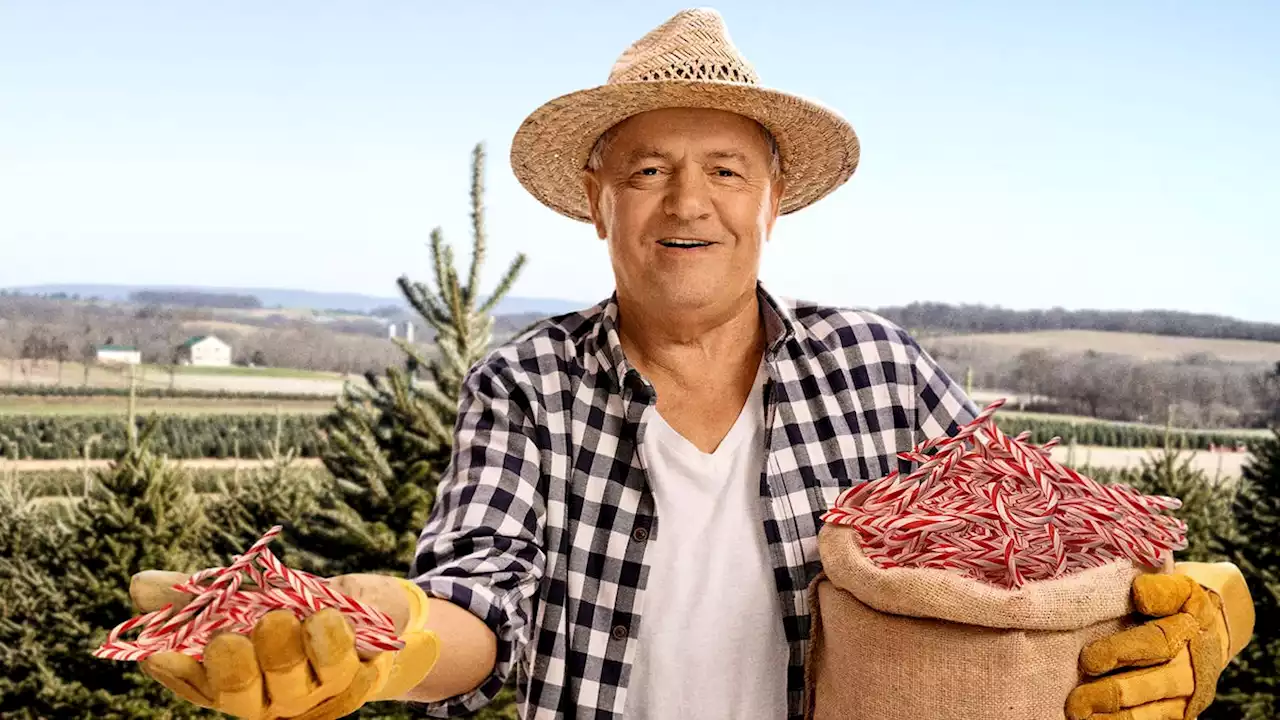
x: 234, y: 370
x: 232, y: 379
x: 25, y: 405
x: 1136, y: 345
x: 213, y: 327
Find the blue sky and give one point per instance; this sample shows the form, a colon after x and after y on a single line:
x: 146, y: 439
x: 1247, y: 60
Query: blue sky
x: 1085, y: 154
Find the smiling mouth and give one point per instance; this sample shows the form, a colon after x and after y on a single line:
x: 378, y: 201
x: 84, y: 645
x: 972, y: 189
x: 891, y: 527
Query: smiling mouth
x: 684, y: 243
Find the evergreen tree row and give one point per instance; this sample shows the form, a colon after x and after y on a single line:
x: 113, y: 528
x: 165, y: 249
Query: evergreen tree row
x: 249, y: 435
x: 62, y: 437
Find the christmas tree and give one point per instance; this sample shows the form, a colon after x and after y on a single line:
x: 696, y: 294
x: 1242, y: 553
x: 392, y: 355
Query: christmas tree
x: 25, y: 535
x: 1206, y: 501
x: 387, y: 444
x: 278, y: 492
x: 1251, y: 686
x: 70, y: 588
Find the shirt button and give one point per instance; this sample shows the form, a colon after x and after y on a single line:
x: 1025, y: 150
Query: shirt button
x: 640, y: 534
x: 619, y: 632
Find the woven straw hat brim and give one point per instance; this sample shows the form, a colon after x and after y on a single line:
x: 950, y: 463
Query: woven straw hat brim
x: 819, y: 149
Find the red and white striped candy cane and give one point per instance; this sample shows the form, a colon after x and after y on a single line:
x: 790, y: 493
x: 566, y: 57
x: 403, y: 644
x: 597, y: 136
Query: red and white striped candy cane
x: 225, y: 602
x: 994, y: 507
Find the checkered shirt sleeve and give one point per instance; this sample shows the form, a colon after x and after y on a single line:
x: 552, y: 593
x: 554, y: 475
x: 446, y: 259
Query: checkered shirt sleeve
x: 942, y: 405
x: 481, y: 548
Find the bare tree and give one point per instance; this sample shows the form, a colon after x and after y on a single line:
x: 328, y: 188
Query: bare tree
x: 1266, y: 393
x: 1095, y: 382
x: 35, y: 347
x: 60, y: 350
x: 1037, y: 373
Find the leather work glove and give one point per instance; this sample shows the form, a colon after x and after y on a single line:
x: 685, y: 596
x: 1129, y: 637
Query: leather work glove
x: 308, y: 670
x: 1168, y: 667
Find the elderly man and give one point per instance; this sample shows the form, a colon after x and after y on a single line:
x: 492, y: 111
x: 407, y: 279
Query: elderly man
x: 629, y: 523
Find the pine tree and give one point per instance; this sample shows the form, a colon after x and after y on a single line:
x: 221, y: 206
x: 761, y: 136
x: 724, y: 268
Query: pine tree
x: 1211, y: 508
x: 385, y: 463
x: 386, y: 445
x: 279, y: 492
x: 1250, y: 688
x: 26, y: 532
x: 1206, y: 502
x: 65, y: 595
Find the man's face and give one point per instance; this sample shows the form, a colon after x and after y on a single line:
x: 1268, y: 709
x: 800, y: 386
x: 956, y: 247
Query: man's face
x: 685, y: 199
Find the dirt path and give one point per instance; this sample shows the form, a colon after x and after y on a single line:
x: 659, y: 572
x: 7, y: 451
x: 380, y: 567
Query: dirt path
x: 200, y: 464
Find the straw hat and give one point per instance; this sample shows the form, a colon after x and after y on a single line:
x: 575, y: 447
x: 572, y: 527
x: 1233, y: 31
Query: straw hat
x: 690, y: 62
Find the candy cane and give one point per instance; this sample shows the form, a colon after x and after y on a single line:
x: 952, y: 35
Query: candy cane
x: 225, y: 602
x: 996, y: 508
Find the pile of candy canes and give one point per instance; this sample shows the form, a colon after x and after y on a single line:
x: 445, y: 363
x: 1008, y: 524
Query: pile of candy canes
x: 232, y: 599
x: 1001, y: 510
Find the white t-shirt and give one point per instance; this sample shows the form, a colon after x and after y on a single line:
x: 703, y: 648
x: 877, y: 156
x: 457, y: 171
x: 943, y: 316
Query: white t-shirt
x: 711, y: 643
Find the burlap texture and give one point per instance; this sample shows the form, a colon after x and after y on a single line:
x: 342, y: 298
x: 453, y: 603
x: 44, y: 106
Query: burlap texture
x: 917, y: 644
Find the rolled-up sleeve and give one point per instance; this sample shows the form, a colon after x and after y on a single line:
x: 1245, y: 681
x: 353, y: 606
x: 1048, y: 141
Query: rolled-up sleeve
x: 481, y: 548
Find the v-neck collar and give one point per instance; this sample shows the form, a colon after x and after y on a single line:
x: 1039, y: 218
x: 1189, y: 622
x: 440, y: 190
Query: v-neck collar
x: 738, y: 432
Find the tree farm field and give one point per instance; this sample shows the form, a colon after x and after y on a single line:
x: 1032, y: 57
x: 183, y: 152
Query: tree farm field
x: 300, y: 385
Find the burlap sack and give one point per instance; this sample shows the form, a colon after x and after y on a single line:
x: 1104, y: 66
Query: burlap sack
x: 920, y: 644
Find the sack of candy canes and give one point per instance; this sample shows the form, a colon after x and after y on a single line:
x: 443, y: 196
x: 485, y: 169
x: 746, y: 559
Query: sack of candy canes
x: 968, y: 587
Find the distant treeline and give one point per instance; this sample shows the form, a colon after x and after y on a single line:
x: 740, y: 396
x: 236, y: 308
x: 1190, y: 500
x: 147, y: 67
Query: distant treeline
x: 195, y: 299
x: 987, y: 319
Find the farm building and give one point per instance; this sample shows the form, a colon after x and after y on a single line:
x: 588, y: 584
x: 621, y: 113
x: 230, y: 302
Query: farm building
x: 119, y: 354
x: 206, y: 351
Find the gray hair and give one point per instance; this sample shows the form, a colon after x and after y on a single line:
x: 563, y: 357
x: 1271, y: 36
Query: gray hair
x: 596, y: 159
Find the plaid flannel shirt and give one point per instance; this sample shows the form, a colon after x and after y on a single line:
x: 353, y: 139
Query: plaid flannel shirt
x: 541, y: 522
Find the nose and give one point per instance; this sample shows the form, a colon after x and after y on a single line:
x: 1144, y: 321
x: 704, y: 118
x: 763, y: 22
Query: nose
x: 688, y: 197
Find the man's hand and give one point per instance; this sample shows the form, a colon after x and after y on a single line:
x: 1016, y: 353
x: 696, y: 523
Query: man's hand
x: 309, y: 670
x: 1168, y: 667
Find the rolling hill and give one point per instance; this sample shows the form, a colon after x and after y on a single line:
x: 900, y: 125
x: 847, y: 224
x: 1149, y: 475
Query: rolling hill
x: 1139, y: 346
x: 291, y: 298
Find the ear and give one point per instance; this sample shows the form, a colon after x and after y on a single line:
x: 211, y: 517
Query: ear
x: 591, y: 184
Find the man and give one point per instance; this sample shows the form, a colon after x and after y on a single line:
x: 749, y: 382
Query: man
x: 630, y: 520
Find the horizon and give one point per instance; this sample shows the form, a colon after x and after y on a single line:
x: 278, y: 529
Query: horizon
x: 559, y: 304
x: 1091, y: 157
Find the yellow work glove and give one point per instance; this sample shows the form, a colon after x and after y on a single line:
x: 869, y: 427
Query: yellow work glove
x: 308, y: 670
x: 1167, y: 668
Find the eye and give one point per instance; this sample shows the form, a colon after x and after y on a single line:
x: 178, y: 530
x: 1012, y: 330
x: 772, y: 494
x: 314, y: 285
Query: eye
x: 649, y: 171
x: 725, y: 172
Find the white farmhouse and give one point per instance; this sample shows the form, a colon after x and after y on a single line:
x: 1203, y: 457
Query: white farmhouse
x: 205, y: 351
x: 119, y: 354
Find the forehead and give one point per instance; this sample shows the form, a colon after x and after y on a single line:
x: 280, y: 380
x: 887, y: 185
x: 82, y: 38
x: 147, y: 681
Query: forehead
x: 687, y: 130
